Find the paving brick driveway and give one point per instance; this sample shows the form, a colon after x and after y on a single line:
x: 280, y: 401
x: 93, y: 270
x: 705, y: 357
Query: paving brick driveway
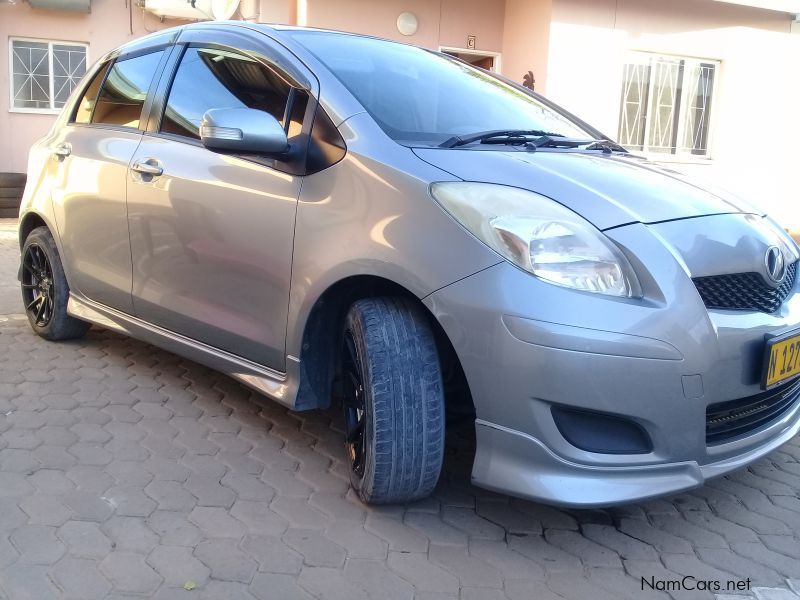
x: 129, y: 472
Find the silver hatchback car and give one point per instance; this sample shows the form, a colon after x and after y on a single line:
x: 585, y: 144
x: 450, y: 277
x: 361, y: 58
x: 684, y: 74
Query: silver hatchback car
x: 330, y: 217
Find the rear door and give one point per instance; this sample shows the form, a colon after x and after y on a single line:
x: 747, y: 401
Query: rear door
x: 212, y: 234
x: 88, y: 171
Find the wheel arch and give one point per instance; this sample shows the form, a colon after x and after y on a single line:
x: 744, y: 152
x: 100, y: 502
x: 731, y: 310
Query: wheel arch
x: 321, y: 335
x: 30, y: 221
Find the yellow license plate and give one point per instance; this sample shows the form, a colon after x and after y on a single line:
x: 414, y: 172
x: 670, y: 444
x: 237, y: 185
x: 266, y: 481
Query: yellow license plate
x: 782, y: 361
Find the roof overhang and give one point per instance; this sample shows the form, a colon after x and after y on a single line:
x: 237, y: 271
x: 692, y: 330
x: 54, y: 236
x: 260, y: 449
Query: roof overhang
x: 68, y: 5
x: 786, y: 6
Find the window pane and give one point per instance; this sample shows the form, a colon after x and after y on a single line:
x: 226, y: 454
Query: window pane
x: 69, y: 65
x: 633, y: 112
x: 662, y: 125
x: 83, y: 113
x: 418, y: 97
x: 697, y: 107
x: 123, y: 94
x: 30, y: 74
x: 220, y: 79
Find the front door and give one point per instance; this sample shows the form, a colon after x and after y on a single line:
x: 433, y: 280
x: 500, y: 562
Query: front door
x: 89, y: 166
x: 212, y: 234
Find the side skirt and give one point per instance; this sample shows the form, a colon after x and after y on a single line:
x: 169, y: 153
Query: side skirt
x: 281, y: 387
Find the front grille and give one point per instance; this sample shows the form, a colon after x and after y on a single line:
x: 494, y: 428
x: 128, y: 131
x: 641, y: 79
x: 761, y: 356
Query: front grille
x: 735, y: 418
x: 745, y: 291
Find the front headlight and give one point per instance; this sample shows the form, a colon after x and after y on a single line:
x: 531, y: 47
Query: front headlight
x: 540, y: 236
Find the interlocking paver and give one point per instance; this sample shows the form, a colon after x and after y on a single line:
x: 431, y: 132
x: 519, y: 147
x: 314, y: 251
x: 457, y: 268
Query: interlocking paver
x: 84, y: 539
x: 130, y: 534
x: 259, y: 518
x: 436, y: 530
x: 266, y: 586
x: 129, y: 501
x: 123, y: 465
x: 300, y: 514
x: 470, y: 570
x: 357, y: 541
x: 216, y: 522
x: 510, y: 563
x: 45, y: 509
x: 28, y: 581
x: 375, y: 578
x: 170, y: 495
x: 37, y: 544
x: 88, y: 506
x: 209, y: 491
x: 401, y: 537
x: 589, y: 552
x: 81, y: 578
x: 226, y: 561
x: 177, y: 566
x: 8, y: 553
x: 226, y: 590
x: 272, y: 555
x: 174, y: 528
x: 425, y: 576
x: 129, y: 572
x: 316, y: 549
x: 546, y: 555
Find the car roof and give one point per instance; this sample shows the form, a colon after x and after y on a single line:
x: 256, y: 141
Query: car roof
x: 276, y: 30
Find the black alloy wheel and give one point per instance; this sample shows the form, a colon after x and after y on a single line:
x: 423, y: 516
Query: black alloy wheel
x: 354, y: 406
x: 38, y: 285
x: 45, y: 291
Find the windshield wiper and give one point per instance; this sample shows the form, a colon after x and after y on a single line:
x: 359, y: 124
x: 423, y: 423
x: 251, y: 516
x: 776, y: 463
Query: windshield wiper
x: 606, y: 146
x: 502, y: 136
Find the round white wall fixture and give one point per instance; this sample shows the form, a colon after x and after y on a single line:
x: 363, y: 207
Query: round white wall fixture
x: 407, y: 23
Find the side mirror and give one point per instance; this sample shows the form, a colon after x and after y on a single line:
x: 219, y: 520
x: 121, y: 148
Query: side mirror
x: 243, y: 130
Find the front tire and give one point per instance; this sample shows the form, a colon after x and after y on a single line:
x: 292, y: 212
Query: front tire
x: 393, y: 400
x: 45, y: 291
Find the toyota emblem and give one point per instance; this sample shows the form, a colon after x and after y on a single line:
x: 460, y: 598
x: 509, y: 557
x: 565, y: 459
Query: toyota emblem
x: 776, y: 265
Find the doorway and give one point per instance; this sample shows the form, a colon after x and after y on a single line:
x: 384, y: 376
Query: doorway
x: 484, y: 60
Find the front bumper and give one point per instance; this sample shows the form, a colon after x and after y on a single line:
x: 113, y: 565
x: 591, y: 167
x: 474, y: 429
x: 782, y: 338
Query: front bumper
x: 527, y: 346
x: 515, y: 463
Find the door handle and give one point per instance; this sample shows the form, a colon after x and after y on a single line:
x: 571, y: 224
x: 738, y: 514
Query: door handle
x: 149, y: 166
x: 62, y: 150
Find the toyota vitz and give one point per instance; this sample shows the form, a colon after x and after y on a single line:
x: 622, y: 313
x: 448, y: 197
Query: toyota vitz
x: 333, y: 217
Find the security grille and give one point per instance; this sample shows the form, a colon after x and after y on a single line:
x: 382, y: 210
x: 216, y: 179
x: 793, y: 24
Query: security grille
x: 43, y: 74
x: 666, y: 104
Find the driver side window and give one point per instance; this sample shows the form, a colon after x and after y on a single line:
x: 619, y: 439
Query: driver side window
x: 214, y: 78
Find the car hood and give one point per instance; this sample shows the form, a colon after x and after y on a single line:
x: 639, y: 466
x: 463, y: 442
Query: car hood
x: 606, y: 189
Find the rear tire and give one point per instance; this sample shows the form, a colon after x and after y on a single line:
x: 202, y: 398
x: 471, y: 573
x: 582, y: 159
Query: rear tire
x: 45, y: 291
x: 393, y: 400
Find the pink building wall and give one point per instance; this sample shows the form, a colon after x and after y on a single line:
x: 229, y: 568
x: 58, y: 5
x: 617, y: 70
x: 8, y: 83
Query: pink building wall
x: 576, y: 49
x: 112, y: 23
x: 106, y: 27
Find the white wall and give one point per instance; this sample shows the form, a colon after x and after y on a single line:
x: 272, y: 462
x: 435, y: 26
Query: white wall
x: 755, y: 129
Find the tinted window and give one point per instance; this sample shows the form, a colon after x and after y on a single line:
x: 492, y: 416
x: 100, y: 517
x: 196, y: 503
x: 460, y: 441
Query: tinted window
x: 417, y: 96
x: 83, y: 112
x: 211, y: 78
x: 123, y: 94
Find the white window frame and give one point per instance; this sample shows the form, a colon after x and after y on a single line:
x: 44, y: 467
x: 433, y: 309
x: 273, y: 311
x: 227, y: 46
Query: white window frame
x: 50, y: 43
x: 642, y: 57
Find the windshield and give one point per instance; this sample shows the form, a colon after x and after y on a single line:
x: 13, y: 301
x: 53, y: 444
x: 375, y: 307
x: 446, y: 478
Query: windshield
x: 422, y: 98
